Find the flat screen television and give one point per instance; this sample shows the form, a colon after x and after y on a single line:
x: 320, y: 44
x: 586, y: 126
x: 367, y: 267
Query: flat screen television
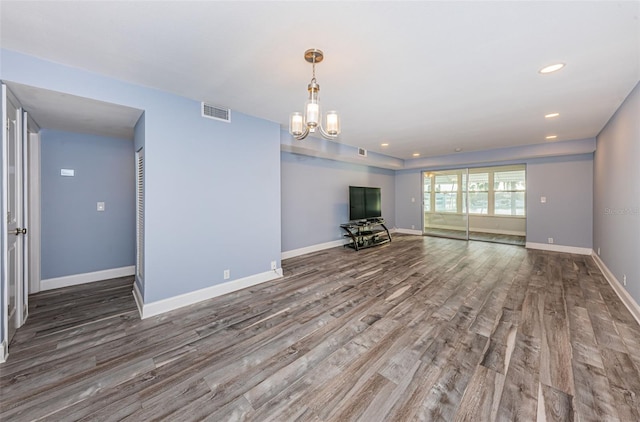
x: 364, y: 203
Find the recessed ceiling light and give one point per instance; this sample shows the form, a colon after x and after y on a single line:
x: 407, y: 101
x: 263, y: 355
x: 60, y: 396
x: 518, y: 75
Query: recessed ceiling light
x: 416, y: 154
x: 550, y: 115
x: 384, y: 145
x: 551, y: 68
x: 551, y: 137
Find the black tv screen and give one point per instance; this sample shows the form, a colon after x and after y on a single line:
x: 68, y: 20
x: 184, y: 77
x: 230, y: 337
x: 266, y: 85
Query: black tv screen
x: 364, y: 203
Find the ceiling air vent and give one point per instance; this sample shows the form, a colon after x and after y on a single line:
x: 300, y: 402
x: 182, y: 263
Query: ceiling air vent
x: 362, y: 152
x: 215, y: 112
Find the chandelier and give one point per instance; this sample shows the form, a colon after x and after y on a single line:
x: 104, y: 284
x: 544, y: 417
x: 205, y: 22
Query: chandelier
x: 300, y: 125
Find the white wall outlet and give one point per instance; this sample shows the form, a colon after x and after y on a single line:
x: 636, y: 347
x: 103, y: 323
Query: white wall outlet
x: 550, y: 240
x: 100, y: 206
x: 413, y: 227
x: 543, y: 199
x: 624, y: 279
x: 227, y: 274
x: 413, y: 199
x: 598, y: 251
x: 274, y: 265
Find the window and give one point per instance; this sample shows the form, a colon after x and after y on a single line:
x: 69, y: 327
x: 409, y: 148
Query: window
x: 488, y: 191
x: 509, y: 187
x: 427, y: 192
x: 479, y: 193
x: 446, y: 193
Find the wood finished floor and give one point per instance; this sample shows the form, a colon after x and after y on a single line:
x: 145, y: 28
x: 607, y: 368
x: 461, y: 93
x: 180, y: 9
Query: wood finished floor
x: 422, y: 328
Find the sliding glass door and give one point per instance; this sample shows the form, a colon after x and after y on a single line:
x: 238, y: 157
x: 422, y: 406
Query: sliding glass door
x: 480, y: 203
x: 445, y: 206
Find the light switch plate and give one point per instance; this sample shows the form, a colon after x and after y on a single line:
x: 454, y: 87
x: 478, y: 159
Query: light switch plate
x: 67, y: 172
x: 100, y: 206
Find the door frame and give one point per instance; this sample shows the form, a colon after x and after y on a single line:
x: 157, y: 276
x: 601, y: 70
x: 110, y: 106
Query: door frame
x: 33, y: 216
x: 22, y: 289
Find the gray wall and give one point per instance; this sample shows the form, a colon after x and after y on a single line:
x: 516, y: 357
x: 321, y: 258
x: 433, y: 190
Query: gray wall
x: 409, y: 186
x: 315, y: 197
x: 565, y: 181
x: 616, y: 205
x: 76, y: 238
x: 212, y: 188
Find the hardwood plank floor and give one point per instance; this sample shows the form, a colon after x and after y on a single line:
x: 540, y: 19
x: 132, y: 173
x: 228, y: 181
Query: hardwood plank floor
x: 422, y: 328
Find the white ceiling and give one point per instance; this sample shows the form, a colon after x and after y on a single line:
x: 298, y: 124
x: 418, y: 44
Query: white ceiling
x: 55, y: 110
x: 425, y: 77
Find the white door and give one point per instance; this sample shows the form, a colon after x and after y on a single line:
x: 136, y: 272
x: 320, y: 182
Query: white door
x: 12, y: 255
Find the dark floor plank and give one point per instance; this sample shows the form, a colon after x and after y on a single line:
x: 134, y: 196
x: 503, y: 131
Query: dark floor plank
x: 555, y: 405
x: 481, y: 397
x: 520, y: 390
x: 594, y: 399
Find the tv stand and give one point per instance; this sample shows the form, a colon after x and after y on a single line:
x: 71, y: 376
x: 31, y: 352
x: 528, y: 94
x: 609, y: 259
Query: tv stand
x: 366, y: 233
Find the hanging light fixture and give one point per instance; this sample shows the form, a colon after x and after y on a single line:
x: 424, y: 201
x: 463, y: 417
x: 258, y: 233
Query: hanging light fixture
x: 301, y: 124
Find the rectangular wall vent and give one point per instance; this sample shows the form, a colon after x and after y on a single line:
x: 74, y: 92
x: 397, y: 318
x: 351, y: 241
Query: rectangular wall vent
x: 362, y: 152
x: 215, y: 112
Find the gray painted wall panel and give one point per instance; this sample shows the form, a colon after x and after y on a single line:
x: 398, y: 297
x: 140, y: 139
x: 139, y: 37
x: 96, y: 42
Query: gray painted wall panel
x: 76, y: 238
x: 315, y: 197
x: 616, y: 206
x: 212, y: 188
x: 567, y: 183
x: 408, y: 213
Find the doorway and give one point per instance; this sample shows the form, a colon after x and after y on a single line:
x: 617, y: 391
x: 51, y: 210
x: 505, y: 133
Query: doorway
x: 54, y: 111
x: 485, y: 203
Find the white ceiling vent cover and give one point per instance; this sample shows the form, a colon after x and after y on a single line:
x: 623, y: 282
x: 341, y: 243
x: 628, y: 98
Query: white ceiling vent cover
x: 362, y: 152
x: 215, y: 112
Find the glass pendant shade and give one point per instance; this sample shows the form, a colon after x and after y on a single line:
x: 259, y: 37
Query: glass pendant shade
x: 312, y: 114
x: 296, y: 124
x: 333, y: 123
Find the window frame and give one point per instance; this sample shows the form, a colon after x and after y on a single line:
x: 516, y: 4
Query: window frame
x: 462, y: 205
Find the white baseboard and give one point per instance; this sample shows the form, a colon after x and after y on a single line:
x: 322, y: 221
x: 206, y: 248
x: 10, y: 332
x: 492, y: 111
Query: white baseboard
x: 313, y: 248
x: 622, y: 293
x: 4, y: 351
x: 408, y: 231
x: 558, y: 248
x: 148, y: 310
x: 72, y: 280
